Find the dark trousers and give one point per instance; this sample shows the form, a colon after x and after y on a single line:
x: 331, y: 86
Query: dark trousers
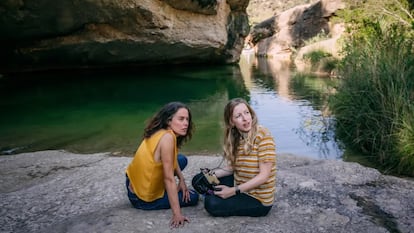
x: 163, y: 202
x: 238, y: 205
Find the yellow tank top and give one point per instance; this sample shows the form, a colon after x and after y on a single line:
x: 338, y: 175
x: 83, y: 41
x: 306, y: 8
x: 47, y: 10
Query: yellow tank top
x: 145, y: 174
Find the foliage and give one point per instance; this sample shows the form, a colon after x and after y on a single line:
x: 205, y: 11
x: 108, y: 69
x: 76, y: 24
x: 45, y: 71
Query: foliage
x: 321, y: 60
x: 405, y: 134
x: 322, y: 35
x: 373, y: 105
x: 329, y: 64
x: 388, y: 12
x: 316, y: 56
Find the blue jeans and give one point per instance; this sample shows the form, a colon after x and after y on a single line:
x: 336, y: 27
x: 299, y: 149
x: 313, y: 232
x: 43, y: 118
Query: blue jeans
x: 238, y: 205
x: 163, y: 202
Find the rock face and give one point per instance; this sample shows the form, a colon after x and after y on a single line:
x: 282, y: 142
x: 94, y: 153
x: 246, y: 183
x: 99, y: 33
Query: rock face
x: 92, y: 33
x: 291, y: 28
x: 260, y: 10
x: 56, y: 191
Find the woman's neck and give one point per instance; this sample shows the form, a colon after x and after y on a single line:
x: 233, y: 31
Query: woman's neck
x: 244, y: 135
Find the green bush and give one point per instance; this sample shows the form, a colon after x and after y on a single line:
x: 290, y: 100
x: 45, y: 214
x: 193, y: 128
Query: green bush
x: 321, y: 60
x: 374, y: 103
x: 405, y: 145
x: 316, y: 56
x: 322, y: 35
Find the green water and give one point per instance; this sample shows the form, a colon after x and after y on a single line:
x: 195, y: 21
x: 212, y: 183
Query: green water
x: 105, y: 111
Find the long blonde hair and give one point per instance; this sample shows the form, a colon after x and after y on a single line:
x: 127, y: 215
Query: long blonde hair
x: 232, y: 135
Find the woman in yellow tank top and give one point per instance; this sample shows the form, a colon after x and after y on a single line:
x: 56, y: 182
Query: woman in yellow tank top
x: 150, y: 177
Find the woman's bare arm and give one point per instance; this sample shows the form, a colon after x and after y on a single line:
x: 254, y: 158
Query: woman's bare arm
x: 166, y: 146
x: 221, y: 172
x: 264, y: 173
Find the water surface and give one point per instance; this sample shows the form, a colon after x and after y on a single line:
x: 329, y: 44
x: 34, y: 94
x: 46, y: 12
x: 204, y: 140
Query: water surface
x: 101, y: 111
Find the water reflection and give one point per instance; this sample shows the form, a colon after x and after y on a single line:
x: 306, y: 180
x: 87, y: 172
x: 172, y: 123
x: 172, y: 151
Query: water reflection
x: 92, y: 112
x: 292, y: 106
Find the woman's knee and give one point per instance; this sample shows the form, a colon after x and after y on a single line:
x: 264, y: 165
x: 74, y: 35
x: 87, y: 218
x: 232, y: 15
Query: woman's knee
x: 212, y: 206
x: 182, y: 161
x: 193, y: 198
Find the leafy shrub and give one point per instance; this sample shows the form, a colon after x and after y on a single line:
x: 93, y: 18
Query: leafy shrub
x: 316, y: 56
x: 374, y: 104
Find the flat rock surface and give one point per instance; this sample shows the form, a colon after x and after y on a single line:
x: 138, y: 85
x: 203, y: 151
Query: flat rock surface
x: 58, y: 191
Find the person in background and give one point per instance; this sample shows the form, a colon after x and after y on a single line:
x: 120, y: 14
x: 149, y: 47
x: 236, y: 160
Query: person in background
x: 150, y: 177
x: 248, y: 181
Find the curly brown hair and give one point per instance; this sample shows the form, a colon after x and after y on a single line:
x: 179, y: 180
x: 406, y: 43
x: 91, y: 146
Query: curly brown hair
x: 161, y: 119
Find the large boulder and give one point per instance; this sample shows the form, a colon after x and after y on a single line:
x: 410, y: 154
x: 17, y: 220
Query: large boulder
x: 57, y: 191
x: 47, y: 34
x: 289, y: 30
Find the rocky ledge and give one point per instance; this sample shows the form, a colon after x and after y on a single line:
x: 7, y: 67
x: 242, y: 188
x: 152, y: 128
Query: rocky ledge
x: 42, y: 35
x: 57, y: 191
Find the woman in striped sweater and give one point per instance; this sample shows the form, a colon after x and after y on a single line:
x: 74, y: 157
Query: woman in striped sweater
x: 248, y: 181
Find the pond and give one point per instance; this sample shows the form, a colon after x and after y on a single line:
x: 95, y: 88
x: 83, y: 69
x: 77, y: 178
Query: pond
x: 106, y: 111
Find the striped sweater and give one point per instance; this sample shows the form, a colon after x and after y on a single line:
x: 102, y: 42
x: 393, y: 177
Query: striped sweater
x: 247, y: 165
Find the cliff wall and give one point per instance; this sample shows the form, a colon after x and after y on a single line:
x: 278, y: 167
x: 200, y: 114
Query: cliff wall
x: 38, y: 35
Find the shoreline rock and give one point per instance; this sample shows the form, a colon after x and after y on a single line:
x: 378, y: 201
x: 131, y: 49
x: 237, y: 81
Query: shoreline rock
x: 58, y: 191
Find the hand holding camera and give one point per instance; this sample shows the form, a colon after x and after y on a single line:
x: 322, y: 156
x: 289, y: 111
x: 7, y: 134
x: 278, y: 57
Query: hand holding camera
x: 205, y: 181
